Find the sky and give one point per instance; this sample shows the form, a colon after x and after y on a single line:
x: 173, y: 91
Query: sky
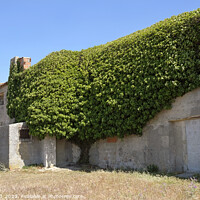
x: 35, y: 28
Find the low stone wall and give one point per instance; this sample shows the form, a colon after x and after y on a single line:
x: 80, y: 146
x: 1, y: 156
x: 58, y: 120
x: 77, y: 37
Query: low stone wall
x: 23, y: 152
x: 66, y: 153
x: 168, y: 141
x: 4, y: 145
x: 16, y: 152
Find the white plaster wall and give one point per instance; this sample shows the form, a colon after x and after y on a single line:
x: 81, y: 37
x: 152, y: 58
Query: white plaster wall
x: 49, y: 151
x: 15, y: 160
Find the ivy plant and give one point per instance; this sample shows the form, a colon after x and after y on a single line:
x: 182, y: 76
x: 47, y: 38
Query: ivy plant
x: 108, y: 90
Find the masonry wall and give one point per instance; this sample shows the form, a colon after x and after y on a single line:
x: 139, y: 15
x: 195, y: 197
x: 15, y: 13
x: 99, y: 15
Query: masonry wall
x: 4, y: 145
x: 16, y: 152
x: 163, y: 142
x: 23, y: 152
x: 66, y: 153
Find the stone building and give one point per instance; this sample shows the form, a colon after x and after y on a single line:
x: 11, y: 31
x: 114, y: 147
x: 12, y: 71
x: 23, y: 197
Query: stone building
x: 18, y: 148
x: 171, y: 141
x: 4, y: 118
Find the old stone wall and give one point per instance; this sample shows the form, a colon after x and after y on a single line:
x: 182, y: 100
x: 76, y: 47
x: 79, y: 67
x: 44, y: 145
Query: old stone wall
x: 4, y: 145
x: 168, y: 141
x: 16, y: 152
x: 23, y: 152
x: 163, y: 142
x: 66, y: 153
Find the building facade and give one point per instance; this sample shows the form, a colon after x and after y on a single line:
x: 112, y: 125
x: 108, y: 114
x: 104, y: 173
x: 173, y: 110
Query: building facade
x: 171, y: 141
x: 4, y: 118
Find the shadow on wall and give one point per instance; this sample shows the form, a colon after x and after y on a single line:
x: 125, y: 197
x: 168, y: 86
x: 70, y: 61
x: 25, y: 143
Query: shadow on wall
x: 30, y: 151
x: 66, y: 153
x: 4, y: 145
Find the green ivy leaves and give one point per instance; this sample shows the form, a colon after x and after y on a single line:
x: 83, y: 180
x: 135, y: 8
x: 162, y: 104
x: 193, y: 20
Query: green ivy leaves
x: 112, y: 89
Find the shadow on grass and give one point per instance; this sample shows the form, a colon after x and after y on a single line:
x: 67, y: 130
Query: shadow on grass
x: 92, y: 168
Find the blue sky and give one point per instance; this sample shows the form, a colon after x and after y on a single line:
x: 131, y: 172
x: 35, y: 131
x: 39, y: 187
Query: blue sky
x: 35, y: 28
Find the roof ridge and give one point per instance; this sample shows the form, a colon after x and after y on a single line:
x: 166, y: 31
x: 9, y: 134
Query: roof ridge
x: 3, y: 84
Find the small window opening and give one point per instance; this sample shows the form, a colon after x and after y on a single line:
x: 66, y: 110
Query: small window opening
x: 24, y: 134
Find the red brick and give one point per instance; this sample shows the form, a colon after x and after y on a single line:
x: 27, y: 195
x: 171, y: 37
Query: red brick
x: 112, y: 139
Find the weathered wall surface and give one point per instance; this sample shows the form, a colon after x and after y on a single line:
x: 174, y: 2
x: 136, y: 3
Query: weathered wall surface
x: 192, y: 128
x: 177, y: 147
x: 4, y: 118
x: 4, y: 145
x: 16, y: 152
x: 66, y: 153
x: 48, y: 151
x: 23, y: 152
x: 168, y: 141
x: 163, y: 142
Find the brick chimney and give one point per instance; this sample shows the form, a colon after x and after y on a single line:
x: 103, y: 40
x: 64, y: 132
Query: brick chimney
x: 25, y: 62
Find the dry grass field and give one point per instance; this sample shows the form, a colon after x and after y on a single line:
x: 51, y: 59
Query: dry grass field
x: 35, y: 183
